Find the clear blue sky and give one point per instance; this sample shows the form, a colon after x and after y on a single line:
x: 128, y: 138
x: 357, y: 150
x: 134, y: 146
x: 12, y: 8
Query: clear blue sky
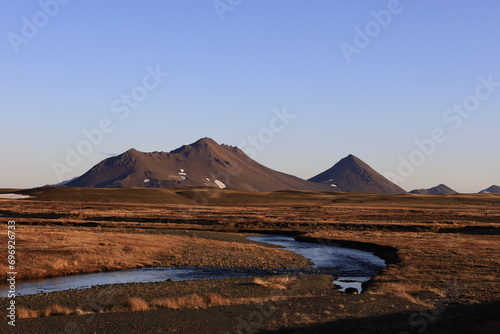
x: 226, y: 77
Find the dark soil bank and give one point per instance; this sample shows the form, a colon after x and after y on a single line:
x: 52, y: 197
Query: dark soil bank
x: 308, y: 299
x: 310, y: 304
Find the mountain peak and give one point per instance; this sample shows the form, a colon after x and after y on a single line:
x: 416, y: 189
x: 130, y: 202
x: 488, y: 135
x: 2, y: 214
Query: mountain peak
x: 205, y: 141
x: 353, y: 174
x: 203, y: 163
x: 437, y: 190
x: 130, y: 154
x: 132, y: 151
x: 199, y: 145
x: 353, y: 163
x: 493, y: 189
x: 353, y: 158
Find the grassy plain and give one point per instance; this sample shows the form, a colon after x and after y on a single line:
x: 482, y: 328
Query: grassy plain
x: 443, y: 255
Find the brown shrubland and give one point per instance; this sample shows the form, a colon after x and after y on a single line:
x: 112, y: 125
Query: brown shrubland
x: 447, y: 246
x: 57, y: 251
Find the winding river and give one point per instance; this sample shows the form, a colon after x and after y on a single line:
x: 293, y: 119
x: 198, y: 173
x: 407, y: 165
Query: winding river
x: 351, y: 266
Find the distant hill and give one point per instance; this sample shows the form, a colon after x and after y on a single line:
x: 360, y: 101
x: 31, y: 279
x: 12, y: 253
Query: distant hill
x: 204, y: 163
x: 63, y: 183
x: 437, y: 190
x: 492, y: 189
x: 352, y: 174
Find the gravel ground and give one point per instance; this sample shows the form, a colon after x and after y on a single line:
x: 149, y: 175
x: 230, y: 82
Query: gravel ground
x: 309, y: 299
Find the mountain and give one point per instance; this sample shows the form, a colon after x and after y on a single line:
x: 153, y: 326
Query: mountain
x: 63, y: 183
x: 204, y: 163
x: 437, y: 190
x: 492, y: 189
x: 352, y: 174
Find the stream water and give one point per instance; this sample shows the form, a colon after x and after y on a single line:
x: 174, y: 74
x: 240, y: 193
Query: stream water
x: 351, y: 266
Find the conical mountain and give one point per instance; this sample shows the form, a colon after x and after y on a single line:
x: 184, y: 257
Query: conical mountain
x: 441, y: 189
x: 204, y: 163
x: 492, y: 189
x: 352, y: 174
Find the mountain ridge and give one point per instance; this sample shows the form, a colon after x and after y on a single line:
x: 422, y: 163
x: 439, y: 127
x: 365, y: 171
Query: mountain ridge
x: 440, y: 189
x: 202, y: 163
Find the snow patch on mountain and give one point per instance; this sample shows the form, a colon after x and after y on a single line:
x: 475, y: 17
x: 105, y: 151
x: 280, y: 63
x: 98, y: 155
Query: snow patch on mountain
x: 220, y: 184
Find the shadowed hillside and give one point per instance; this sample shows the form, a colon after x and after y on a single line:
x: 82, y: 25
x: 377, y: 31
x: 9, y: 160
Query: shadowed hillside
x: 352, y: 174
x: 201, y: 164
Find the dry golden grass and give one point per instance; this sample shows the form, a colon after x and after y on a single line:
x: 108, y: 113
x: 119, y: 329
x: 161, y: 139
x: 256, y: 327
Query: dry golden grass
x: 214, y: 299
x: 52, y: 310
x: 256, y: 300
x: 136, y: 304
x: 275, y: 282
x: 24, y: 313
x: 56, y: 309
x: 448, y: 245
x: 434, y: 267
x: 57, y: 251
x: 401, y: 291
x: 81, y: 312
x: 50, y: 251
x: 191, y: 301
x: 250, y: 210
